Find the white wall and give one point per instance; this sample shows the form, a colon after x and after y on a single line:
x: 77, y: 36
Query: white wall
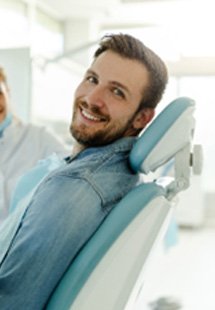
x: 17, y: 65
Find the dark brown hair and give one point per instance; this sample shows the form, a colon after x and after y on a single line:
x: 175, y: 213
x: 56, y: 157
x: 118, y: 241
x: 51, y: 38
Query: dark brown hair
x: 129, y: 47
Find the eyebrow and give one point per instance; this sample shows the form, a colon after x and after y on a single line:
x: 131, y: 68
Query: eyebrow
x: 90, y: 71
x: 113, y: 83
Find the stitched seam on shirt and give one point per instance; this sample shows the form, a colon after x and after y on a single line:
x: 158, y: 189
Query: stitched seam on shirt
x: 85, y: 177
x: 106, y: 159
x: 89, y: 180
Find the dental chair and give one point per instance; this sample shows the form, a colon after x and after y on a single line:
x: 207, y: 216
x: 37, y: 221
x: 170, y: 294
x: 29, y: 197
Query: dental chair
x: 109, y: 271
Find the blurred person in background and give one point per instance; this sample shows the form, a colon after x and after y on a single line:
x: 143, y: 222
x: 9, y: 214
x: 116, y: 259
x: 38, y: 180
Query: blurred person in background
x: 21, y: 146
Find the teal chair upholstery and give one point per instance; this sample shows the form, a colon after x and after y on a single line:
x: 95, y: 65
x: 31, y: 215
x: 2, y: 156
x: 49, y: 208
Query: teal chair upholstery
x: 109, y: 270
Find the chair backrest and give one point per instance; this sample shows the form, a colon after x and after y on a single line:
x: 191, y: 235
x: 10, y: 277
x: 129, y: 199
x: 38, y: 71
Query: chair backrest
x: 104, y: 273
x: 171, y: 131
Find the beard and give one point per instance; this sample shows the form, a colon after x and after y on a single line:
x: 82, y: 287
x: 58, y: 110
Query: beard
x: 111, y: 131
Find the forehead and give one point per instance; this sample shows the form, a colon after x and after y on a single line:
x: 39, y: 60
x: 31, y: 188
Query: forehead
x: 113, y: 67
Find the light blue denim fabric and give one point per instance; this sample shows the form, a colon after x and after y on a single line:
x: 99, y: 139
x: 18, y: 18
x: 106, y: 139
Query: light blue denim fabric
x: 44, y: 233
x: 28, y: 183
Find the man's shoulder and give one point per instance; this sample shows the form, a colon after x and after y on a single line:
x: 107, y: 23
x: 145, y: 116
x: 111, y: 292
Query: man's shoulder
x: 109, y: 173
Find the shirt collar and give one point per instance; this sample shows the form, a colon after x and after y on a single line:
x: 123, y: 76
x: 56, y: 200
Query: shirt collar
x: 123, y: 144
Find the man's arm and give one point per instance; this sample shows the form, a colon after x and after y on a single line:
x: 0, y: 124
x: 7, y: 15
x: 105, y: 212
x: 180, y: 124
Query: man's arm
x: 61, y: 217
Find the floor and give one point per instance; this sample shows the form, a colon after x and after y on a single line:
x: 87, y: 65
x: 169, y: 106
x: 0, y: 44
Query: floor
x: 182, y: 277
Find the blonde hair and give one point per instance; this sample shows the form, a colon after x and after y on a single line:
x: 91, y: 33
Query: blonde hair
x: 3, y: 75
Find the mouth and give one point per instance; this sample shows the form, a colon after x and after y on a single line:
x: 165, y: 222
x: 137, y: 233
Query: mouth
x: 91, y: 116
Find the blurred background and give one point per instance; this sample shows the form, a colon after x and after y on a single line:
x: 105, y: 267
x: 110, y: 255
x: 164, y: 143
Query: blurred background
x: 45, y: 47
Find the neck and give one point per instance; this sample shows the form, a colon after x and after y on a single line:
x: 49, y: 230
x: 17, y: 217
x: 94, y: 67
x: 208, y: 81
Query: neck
x: 77, y: 148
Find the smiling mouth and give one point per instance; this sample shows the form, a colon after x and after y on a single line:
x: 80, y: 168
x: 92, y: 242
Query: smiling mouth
x: 92, y: 117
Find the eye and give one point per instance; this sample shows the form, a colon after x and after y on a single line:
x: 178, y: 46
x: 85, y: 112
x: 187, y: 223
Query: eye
x: 92, y: 79
x: 118, y: 92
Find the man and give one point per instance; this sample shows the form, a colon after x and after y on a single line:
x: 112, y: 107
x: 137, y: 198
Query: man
x: 113, y: 103
x: 18, y: 142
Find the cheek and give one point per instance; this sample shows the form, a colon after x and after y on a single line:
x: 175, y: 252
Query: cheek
x: 2, y: 99
x: 120, y: 111
x: 77, y: 92
x: 81, y: 90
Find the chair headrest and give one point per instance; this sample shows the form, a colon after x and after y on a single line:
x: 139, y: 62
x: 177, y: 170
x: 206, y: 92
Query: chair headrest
x: 171, y: 130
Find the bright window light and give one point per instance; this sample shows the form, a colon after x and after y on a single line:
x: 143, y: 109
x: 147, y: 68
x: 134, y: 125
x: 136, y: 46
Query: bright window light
x: 14, y: 29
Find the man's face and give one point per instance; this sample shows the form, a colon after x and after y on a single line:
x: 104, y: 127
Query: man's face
x: 107, y: 100
x: 3, y: 100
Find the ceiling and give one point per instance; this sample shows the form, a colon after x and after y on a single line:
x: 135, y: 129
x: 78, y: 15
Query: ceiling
x: 189, y: 18
x: 109, y: 9
x: 67, y: 9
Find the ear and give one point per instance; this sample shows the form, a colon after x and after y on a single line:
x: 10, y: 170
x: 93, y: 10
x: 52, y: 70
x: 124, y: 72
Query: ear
x: 143, y: 117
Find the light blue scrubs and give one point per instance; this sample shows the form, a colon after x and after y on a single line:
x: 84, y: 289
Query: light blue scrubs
x: 6, y: 122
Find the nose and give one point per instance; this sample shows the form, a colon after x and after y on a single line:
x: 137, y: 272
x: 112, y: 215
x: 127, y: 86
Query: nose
x: 96, y: 96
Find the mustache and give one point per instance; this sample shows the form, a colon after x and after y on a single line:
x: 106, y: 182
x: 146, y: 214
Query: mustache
x: 94, y: 109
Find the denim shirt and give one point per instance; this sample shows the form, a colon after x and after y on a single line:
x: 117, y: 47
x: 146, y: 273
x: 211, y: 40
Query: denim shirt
x: 51, y: 223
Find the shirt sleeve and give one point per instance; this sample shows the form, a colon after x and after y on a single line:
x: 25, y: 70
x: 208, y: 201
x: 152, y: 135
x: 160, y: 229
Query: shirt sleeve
x: 62, y: 216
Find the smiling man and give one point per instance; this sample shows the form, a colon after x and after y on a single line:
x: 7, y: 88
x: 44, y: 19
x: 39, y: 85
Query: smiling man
x: 107, y: 101
x: 54, y: 218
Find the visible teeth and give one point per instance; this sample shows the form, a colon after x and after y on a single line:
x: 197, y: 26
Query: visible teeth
x: 90, y: 116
